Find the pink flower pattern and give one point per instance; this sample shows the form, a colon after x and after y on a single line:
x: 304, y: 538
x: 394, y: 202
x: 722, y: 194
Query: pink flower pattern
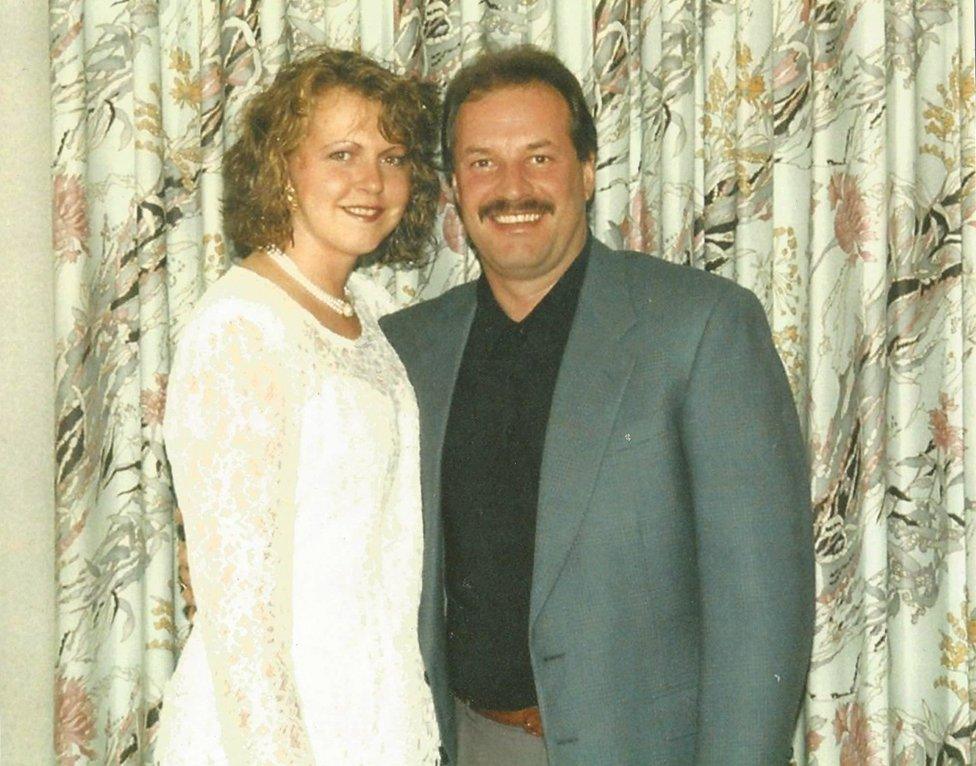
x: 70, y: 218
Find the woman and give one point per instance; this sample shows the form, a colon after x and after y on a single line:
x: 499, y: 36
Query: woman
x: 292, y: 433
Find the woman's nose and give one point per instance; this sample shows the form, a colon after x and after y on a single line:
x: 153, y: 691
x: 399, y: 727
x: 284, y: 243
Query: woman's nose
x: 370, y: 176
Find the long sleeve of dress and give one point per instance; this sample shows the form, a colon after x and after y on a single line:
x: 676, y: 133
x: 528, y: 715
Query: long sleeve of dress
x: 229, y: 432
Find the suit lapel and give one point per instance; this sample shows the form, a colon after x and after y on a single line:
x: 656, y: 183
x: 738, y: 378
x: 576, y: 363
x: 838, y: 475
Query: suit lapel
x: 594, y: 370
x: 436, y: 375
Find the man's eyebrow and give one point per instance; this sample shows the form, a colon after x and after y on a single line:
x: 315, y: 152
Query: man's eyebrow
x: 529, y: 148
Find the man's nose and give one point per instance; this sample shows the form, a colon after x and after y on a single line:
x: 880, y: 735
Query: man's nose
x: 513, y: 183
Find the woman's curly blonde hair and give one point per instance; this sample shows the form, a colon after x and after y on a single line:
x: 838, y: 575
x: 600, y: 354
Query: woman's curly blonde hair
x: 274, y: 122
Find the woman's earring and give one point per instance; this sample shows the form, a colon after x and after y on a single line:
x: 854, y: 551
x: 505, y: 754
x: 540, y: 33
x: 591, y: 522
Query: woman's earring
x: 291, y: 198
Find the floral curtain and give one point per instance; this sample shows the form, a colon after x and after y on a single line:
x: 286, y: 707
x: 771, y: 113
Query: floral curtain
x: 822, y: 153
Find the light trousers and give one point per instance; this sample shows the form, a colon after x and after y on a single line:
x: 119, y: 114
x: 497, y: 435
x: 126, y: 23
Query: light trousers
x: 483, y: 742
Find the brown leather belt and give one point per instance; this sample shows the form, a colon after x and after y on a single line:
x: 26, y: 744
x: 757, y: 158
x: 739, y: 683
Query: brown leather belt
x: 528, y: 718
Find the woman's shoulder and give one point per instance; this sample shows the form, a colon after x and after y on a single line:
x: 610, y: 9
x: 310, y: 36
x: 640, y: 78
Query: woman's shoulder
x: 237, y: 303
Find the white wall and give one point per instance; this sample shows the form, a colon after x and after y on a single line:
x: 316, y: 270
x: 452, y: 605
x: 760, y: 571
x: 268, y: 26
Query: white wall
x: 27, y: 628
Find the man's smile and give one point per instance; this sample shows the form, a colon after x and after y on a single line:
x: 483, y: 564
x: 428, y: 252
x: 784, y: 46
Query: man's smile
x: 507, y: 213
x: 517, y: 218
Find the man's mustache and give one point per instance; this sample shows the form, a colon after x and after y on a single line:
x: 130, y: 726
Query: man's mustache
x: 514, y: 207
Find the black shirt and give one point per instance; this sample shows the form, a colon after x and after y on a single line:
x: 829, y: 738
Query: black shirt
x: 490, y: 486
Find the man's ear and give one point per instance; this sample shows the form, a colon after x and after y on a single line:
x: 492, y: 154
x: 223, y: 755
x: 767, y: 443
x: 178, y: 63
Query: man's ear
x: 454, y: 197
x: 589, y: 177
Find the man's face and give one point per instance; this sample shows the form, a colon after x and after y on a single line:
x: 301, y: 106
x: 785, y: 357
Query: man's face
x: 520, y: 188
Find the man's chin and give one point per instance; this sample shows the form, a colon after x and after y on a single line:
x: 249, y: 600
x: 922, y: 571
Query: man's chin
x: 518, y: 242
x: 512, y: 264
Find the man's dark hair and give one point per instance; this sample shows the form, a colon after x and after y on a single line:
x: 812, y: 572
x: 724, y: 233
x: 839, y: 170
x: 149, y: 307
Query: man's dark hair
x: 521, y: 65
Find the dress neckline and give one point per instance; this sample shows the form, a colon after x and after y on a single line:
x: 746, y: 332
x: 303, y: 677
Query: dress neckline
x: 309, y: 317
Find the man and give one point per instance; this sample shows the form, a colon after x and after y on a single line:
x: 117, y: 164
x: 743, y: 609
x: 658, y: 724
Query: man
x: 618, y: 565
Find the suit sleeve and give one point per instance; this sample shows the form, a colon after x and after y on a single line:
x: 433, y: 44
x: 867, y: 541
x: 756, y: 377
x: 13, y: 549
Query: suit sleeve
x: 753, y: 522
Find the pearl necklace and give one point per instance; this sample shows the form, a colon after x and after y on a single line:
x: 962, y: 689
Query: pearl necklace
x: 287, y: 265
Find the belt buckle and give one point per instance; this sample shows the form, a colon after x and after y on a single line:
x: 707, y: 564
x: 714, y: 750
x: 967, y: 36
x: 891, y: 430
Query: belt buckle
x: 532, y: 722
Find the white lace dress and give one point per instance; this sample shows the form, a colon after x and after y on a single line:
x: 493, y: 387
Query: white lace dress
x: 295, y: 459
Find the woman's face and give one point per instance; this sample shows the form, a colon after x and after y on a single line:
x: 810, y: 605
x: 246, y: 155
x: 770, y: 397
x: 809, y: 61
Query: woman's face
x: 351, y: 184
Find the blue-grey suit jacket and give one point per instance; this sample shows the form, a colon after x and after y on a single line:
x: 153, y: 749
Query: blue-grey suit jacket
x: 672, y: 593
